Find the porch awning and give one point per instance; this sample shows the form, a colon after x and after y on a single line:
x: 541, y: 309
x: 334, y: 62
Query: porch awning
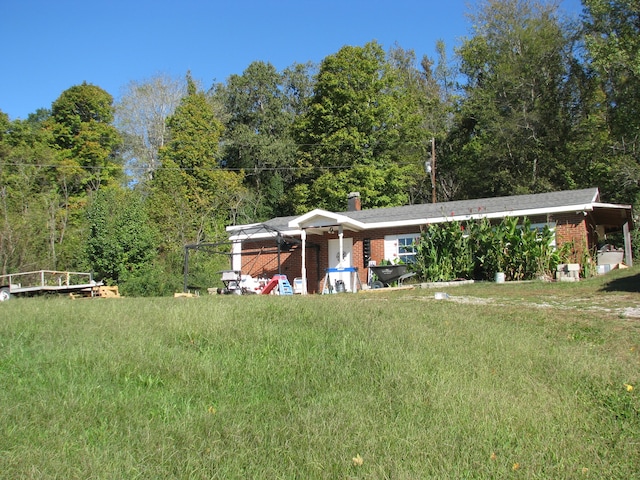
x: 612, y: 216
x: 318, y: 221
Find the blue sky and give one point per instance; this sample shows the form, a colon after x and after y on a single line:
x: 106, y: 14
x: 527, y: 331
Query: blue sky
x: 51, y: 45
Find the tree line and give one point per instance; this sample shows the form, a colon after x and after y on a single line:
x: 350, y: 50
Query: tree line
x: 531, y: 102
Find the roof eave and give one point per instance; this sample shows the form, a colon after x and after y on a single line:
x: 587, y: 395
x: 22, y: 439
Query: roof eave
x: 233, y: 228
x: 240, y: 237
x: 319, y: 218
x: 477, y: 216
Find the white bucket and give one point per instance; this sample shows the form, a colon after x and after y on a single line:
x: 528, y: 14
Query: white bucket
x: 499, y: 277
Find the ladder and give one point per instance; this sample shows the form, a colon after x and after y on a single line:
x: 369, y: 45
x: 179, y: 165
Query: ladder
x: 284, y: 287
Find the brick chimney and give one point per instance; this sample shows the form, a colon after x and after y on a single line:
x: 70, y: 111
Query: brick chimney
x: 353, y: 202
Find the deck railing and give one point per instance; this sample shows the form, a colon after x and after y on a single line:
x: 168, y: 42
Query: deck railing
x: 46, y: 278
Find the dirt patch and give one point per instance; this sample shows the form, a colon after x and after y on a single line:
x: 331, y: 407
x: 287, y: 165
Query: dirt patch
x: 630, y: 312
x: 560, y: 304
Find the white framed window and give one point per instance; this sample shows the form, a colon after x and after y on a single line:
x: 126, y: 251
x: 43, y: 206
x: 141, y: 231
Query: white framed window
x: 539, y: 227
x: 401, y: 248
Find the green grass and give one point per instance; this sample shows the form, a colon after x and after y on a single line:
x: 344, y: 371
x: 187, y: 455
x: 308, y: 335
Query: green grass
x: 226, y: 387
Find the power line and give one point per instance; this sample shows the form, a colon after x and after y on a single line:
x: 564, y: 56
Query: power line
x: 132, y: 168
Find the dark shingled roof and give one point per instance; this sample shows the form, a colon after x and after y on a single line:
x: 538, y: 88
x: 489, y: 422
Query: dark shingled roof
x: 480, y: 206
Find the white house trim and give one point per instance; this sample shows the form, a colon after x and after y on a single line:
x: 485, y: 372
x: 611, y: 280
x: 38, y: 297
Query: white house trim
x: 319, y: 218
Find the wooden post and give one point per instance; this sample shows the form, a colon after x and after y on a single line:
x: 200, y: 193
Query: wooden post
x: 628, y: 255
x: 185, y: 270
x: 433, y: 170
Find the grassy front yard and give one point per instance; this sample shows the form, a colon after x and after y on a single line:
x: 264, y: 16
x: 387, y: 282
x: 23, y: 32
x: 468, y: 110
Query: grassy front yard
x: 526, y: 380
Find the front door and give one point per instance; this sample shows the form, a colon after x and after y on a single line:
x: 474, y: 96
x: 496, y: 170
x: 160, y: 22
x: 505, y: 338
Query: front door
x: 334, y: 260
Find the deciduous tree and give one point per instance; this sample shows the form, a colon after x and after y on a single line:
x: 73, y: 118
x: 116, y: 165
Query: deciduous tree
x: 192, y: 197
x: 122, y: 241
x: 512, y: 126
x: 359, y: 116
x: 83, y: 132
x: 260, y: 106
x: 613, y: 45
x: 37, y: 230
x: 141, y: 117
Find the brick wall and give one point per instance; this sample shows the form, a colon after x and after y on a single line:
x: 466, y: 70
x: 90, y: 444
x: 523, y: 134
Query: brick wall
x: 260, y: 259
x: 573, y: 227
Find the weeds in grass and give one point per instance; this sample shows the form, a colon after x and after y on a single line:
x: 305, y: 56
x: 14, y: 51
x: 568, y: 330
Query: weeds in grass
x: 378, y: 385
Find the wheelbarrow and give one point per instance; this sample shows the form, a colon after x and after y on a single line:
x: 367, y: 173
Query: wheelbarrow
x: 387, y: 274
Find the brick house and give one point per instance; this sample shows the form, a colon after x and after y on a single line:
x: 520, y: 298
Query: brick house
x: 306, y: 246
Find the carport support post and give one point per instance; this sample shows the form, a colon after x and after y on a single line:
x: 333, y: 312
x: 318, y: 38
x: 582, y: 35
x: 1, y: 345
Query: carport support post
x: 278, y: 242
x: 236, y: 256
x: 628, y: 255
x: 303, y: 237
x: 341, y: 243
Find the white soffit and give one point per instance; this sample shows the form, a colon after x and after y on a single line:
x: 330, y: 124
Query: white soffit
x: 611, y: 205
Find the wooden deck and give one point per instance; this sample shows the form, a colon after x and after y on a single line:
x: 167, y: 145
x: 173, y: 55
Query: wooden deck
x: 42, y: 281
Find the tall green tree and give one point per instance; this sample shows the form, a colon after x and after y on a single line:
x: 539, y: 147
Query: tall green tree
x: 37, y: 228
x: 428, y: 91
x: 612, y: 37
x: 589, y: 153
x: 87, y: 158
x: 257, y: 139
x: 192, y: 197
x: 18, y: 229
x: 86, y: 139
x: 513, y: 125
x: 359, y: 125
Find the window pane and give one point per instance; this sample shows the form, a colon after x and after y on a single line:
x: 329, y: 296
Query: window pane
x: 407, y: 249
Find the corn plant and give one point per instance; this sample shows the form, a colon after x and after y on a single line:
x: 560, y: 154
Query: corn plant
x: 479, y: 250
x: 488, y: 248
x: 444, y: 253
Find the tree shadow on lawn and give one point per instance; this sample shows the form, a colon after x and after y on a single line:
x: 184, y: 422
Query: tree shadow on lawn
x: 623, y: 284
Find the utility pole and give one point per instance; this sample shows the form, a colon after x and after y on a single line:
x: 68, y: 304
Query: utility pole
x: 430, y: 168
x: 433, y: 170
